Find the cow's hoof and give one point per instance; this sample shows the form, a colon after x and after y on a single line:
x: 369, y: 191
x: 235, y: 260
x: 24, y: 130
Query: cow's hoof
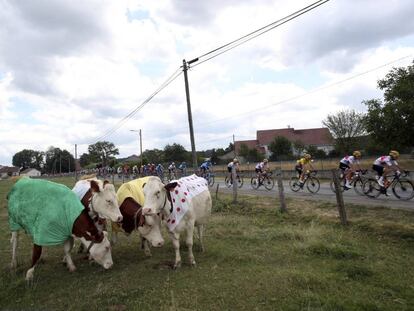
x: 177, y: 265
x: 192, y: 264
x: 72, y: 268
x: 29, y: 276
x: 148, y: 253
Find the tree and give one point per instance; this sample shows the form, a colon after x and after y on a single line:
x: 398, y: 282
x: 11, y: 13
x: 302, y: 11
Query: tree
x: 85, y: 159
x: 153, y: 156
x: 251, y: 155
x: 281, y: 148
x: 345, y: 126
x: 59, y: 161
x: 29, y: 159
x: 229, y: 148
x: 391, y: 123
x: 175, y: 153
x: 102, y: 151
x: 298, y: 147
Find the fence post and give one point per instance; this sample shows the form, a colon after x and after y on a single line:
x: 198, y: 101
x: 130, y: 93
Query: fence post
x: 281, y: 191
x: 217, y: 190
x: 113, y: 179
x: 235, y: 184
x: 339, y: 198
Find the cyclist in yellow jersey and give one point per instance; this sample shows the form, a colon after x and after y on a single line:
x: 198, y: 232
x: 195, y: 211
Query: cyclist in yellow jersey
x: 304, y: 162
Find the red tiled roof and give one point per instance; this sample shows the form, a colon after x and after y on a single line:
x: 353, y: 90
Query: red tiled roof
x: 316, y: 136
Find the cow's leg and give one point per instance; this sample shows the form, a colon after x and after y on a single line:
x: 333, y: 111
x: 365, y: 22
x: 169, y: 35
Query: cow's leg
x: 37, y: 252
x: 146, y: 246
x: 175, y: 238
x: 189, y: 242
x: 67, y: 247
x: 200, y: 229
x: 13, y: 242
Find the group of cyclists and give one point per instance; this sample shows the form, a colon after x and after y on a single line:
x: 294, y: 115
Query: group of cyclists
x: 350, y: 164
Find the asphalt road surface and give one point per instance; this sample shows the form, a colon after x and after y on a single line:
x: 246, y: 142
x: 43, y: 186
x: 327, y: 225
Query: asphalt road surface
x: 325, y: 194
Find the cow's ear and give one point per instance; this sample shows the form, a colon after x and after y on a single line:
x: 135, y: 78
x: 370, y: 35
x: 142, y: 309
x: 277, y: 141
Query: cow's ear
x: 170, y: 186
x: 94, y: 186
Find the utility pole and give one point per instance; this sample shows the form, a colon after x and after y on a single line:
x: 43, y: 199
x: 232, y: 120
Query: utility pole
x: 76, y: 160
x: 60, y: 163
x: 140, y: 143
x: 234, y: 148
x: 190, y: 117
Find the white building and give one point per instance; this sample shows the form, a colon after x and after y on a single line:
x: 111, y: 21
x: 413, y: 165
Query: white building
x: 31, y: 172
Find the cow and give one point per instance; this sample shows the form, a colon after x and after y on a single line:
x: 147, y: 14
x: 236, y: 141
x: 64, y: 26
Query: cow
x: 53, y: 215
x: 131, y: 198
x: 185, y: 203
x: 99, y: 198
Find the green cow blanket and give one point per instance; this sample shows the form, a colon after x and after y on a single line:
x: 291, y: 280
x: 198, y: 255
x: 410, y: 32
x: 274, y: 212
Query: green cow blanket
x: 44, y: 209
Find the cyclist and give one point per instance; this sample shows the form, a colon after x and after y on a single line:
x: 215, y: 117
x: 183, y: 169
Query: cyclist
x: 171, y: 170
x: 385, y: 164
x: 160, y: 171
x: 261, y: 168
x: 205, y: 166
x: 348, y: 165
x: 234, y: 163
x: 304, y: 162
x: 183, y: 168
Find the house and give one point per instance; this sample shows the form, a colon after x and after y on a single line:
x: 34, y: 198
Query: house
x: 31, y: 172
x: 320, y: 138
x: 8, y: 171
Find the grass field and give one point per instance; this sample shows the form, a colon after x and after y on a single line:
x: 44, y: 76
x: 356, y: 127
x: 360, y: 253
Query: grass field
x: 255, y: 259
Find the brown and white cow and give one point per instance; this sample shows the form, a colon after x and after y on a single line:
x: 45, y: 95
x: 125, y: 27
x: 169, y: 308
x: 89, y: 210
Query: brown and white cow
x: 131, y: 197
x: 193, y: 192
x: 52, y: 215
x: 99, y: 198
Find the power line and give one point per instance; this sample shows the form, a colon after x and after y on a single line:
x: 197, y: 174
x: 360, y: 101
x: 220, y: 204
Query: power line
x: 167, y: 82
x: 301, y: 95
x: 235, y: 43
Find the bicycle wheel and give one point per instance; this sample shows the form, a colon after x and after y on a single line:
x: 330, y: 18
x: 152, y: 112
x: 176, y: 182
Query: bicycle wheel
x: 313, y: 184
x: 294, y: 184
x: 254, y: 182
x: 403, y: 189
x: 211, y: 180
x: 332, y: 186
x: 358, y: 185
x: 269, y: 183
x: 371, y: 188
x: 227, y: 182
x: 240, y: 181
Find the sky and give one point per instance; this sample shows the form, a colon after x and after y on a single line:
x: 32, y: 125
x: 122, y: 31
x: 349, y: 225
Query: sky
x: 71, y: 70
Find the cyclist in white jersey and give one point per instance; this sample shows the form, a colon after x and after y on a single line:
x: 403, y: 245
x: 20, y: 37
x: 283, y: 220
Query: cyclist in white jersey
x: 234, y: 163
x: 385, y: 164
x: 348, y: 165
x: 262, y: 167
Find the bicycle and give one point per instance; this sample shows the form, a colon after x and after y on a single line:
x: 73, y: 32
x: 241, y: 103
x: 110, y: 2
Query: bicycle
x: 265, y: 179
x: 209, y: 176
x: 357, y: 182
x: 403, y: 188
x: 310, y: 180
x: 229, y: 181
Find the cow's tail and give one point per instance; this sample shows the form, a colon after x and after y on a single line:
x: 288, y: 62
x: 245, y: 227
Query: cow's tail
x: 90, y: 176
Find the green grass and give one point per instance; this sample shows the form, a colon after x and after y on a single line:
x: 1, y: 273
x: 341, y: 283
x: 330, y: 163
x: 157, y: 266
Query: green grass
x: 256, y: 259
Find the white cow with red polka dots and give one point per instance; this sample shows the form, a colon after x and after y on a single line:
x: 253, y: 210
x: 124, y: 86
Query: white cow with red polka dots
x: 185, y: 204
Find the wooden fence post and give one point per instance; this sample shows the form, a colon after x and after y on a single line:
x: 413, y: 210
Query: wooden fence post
x: 217, y: 191
x: 235, y: 184
x: 339, y: 197
x: 281, y: 191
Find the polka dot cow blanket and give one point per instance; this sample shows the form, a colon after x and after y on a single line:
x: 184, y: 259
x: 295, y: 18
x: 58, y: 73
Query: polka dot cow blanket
x: 187, y: 188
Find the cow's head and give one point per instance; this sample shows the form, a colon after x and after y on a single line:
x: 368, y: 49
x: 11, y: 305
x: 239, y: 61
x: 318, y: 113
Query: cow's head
x: 155, y: 193
x: 151, y: 230
x: 101, y: 252
x: 104, y: 201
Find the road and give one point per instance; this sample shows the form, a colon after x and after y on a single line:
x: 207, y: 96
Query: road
x: 324, y: 194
